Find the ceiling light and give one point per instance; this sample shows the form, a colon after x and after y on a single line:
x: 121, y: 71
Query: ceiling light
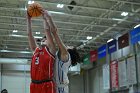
x: 30, y: 2
x: 53, y: 12
x: 116, y: 19
x: 110, y: 40
x: 137, y: 26
x: 70, y: 47
x: 38, y: 37
x: 17, y: 35
x: 37, y: 33
x: 89, y: 37
x: 60, y: 5
x: 15, y: 51
x: 14, y: 31
x: 124, y: 13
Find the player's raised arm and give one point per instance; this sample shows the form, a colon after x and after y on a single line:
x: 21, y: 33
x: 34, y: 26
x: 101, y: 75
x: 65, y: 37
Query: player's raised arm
x: 47, y: 28
x: 32, y: 42
x: 63, y: 50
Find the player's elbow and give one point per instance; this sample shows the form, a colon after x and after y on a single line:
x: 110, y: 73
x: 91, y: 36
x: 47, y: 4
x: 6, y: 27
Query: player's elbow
x: 64, y: 57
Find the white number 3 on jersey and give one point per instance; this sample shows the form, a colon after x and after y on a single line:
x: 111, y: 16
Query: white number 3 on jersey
x: 37, y: 60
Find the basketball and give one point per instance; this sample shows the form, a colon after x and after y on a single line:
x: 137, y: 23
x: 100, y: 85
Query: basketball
x: 34, y: 10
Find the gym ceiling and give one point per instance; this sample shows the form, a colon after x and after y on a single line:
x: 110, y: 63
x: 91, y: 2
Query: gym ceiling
x: 85, y: 24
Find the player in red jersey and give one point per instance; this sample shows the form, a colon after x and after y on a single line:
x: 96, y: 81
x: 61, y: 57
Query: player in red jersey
x: 42, y: 60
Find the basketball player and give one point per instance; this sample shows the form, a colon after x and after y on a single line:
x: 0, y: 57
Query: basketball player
x: 42, y: 60
x: 64, y: 59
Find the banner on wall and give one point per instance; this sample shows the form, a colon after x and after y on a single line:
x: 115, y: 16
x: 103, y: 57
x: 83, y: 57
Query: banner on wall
x: 131, y: 70
x: 122, y: 73
x: 114, y: 74
x: 106, y: 76
x: 93, y: 56
x: 102, y: 51
x: 135, y: 35
x: 112, y: 46
x: 123, y: 41
x: 86, y: 59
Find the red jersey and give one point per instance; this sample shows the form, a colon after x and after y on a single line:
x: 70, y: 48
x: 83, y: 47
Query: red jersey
x: 42, y: 64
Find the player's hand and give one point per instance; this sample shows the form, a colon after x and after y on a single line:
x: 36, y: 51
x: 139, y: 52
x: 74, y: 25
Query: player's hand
x: 46, y: 15
x: 43, y: 15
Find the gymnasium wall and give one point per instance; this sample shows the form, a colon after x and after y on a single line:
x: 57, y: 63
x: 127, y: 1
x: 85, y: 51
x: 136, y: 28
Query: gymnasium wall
x: 14, y: 79
x: 76, y: 84
x: 96, y: 74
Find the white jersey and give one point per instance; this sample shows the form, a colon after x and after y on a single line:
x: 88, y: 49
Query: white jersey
x: 61, y: 71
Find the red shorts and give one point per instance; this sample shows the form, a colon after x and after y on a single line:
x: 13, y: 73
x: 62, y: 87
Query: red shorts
x: 47, y: 87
